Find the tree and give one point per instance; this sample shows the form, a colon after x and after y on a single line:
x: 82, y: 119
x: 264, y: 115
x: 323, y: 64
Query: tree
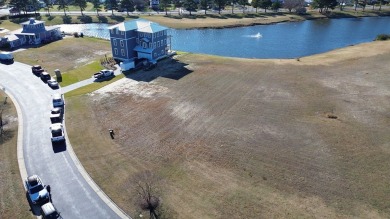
x: 62, y: 5
x: 221, y: 4
x: 232, y: 3
x: 324, y: 5
x: 34, y: 4
x: 164, y: 5
x: 243, y: 3
x: 190, y: 5
x: 49, y: 5
x: 20, y: 4
x: 97, y: 6
x: 255, y: 4
x: 293, y: 4
x: 276, y: 5
x: 111, y: 5
x: 204, y: 5
x: 128, y: 5
x: 82, y: 4
x: 264, y: 4
x: 147, y: 193
x: 178, y: 4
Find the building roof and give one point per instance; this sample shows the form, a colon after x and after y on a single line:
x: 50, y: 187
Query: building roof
x: 140, y: 25
x: 32, y: 21
x: 11, y: 37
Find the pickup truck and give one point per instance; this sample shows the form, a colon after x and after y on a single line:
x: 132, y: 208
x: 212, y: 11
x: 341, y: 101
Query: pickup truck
x: 103, y: 74
x: 37, y: 70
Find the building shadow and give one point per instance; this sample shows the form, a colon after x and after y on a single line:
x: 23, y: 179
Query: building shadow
x: 59, y: 147
x: 167, y: 68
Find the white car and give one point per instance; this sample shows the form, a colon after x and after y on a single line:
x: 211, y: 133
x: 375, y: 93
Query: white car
x: 57, y: 132
x: 36, y: 190
x: 52, y: 83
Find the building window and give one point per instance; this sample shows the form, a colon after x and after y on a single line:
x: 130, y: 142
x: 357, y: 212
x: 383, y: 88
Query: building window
x: 122, y: 32
x: 112, y: 31
x: 145, y: 45
x: 162, y: 52
x: 141, y: 34
x: 162, y: 42
x: 117, y: 31
x: 123, y: 52
x: 165, y: 42
x: 150, y: 45
x: 137, y: 40
x: 155, y: 54
x: 122, y: 43
x: 154, y: 45
x: 116, y: 51
x: 114, y: 40
x: 158, y: 44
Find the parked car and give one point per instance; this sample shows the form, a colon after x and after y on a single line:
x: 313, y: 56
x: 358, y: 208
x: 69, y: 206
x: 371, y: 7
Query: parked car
x: 58, y: 101
x: 37, y: 70
x: 6, y: 57
x: 36, y: 190
x: 57, y: 132
x: 48, y: 211
x: 103, y: 74
x: 56, y: 115
x: 52, y: 83
x: 45, y: 76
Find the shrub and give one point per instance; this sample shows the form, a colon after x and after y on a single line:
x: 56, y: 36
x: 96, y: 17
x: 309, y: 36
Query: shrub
x: 382, y: 37
x: 300, y: 10
x: 76, y: 34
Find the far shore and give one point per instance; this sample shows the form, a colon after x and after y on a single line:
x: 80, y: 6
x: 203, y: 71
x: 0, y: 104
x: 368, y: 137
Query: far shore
x: 210, y: 20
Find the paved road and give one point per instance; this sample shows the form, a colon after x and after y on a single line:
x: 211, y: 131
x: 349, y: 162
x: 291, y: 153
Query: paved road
x: 71, y: 193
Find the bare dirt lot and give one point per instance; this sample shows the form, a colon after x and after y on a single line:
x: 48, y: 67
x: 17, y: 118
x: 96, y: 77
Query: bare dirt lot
x: 245, y: 138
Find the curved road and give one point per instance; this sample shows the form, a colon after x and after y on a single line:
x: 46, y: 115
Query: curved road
x: 72, y: 194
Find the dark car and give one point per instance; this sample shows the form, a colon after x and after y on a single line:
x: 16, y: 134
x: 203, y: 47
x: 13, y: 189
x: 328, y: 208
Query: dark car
x: 36, y: 190
x: 45, y: 76
x: 37, y: 70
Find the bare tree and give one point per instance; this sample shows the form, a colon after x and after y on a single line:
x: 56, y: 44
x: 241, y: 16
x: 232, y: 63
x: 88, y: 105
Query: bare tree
x: 147, y: 191
x: 293, y: 4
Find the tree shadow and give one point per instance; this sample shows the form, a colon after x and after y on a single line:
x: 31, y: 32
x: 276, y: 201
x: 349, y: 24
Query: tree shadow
x: 167, y: 68
x: 67, y: 19
x: 102, y: 19
x: 50, y: 17
x: 85, y: 19
x: 117, y: 18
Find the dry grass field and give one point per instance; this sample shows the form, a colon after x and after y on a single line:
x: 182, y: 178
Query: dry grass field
x: 245, y: 138
x: 13, y: 202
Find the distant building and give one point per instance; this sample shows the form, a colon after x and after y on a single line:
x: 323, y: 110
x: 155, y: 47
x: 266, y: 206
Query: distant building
x: 139, y: 39
x: 33, y: 32
x: 155, y: 4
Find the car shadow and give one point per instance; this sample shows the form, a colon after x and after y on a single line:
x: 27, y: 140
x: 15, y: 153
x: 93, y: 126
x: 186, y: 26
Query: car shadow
x: 35, y: 209
x: 59, y: 147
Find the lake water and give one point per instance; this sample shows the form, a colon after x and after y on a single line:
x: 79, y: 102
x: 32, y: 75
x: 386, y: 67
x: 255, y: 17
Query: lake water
x: 283, y: 40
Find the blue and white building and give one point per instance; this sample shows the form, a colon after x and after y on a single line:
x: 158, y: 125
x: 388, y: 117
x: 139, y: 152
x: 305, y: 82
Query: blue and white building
x: 139, y: 39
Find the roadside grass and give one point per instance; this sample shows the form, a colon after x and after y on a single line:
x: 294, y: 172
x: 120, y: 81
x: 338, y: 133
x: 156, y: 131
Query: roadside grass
x: 80, y: 73
x: 13, y: 202
x: 92, y: 87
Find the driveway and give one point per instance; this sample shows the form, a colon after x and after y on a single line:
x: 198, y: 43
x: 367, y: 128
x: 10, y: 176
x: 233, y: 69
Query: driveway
x: 71, y: 193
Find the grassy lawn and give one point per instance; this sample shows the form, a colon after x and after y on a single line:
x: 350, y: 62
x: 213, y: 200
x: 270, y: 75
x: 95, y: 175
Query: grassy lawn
x: 77, y: 58
x: 244, y: 138
x: 13, y: 202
